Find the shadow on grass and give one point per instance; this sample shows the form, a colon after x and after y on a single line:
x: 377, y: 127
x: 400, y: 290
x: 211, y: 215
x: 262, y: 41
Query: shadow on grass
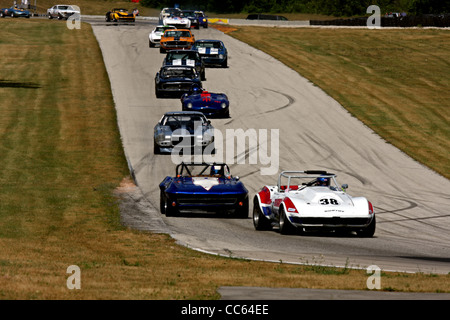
x: 12, y: 84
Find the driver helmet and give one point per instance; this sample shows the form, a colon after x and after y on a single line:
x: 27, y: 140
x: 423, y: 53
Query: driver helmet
x: 323, y: 181
x: 196, y: 89
x: 215, y: 170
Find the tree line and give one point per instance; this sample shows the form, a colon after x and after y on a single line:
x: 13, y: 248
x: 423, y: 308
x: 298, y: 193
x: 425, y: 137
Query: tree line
x: 338, y: 8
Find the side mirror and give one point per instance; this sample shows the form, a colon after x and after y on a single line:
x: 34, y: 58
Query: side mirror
x: 345, y: 186
x: 237, y: 178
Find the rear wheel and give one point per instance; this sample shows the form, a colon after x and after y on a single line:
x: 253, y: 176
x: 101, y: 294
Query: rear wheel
x: 369, y: 231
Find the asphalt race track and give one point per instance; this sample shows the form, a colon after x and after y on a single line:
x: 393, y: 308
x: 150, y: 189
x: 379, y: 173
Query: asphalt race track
x: 315, y: 132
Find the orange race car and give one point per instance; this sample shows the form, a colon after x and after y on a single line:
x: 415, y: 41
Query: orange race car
x: 176, y: 39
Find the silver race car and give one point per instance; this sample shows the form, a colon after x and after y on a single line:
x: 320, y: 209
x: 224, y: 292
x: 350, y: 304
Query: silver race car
x: 311, y: 200
x: 183, y: 130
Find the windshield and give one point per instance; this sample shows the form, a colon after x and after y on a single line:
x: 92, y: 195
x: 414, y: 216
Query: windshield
x: 177, y: 33
x: 184, y: 122
x: 203, y: 170
x: 299, y: 180
x: 203, y: 44
x: 162, y: 29
x: 189, y: 14
x: 178, y: 73
x: 181, y: 55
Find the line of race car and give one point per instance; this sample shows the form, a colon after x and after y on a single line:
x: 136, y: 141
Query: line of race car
x: 301, y: 201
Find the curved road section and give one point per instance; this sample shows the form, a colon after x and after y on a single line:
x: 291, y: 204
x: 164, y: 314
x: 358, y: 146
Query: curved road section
x: 411, y: 202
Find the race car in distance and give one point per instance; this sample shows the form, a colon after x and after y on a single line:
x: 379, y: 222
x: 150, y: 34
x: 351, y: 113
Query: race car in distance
x: 205, y: 187
x: 167, y: 12
x: 183, y: 129
x: 176, y: 80
x: 212, y: 52
x: 155, y: 36
x: 119, y: 15
x: 190, y: 14
x: 185, y: 58
x: 208, y: 103
x: 310, y: 201
x: 14, y: 12
x: 61, y: 11
x: 202, y: 19
x: 178, y: 20
x: 176, y: 39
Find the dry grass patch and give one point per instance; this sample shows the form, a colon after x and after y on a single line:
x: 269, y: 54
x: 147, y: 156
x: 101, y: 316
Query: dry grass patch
x: 395, y: 81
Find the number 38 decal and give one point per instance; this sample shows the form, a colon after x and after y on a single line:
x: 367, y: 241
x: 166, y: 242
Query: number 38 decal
x: 326, y: 201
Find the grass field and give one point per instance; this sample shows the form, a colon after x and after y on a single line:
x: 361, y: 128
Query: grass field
x: 62, y: 160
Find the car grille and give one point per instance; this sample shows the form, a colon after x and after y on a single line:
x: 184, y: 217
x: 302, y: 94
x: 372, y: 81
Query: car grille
x: 175, y: 44
x: 206, y: 200
x: 177, y: 86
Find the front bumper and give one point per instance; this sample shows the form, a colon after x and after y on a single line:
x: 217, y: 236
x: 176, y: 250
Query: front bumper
x: 207, y: 202
x: 331, y: 222
x: 210, y: 112
x: 213, y: 59
x: 174, y: 45
x: 173, y: 88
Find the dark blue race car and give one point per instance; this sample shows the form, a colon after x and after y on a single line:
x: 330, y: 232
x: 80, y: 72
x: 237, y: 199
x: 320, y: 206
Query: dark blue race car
x: 176, y: 80
x: 212, y: 52
x: 204, y: 187
x: 209, y: 103
x: 14, y: 12
x: 185, y: 58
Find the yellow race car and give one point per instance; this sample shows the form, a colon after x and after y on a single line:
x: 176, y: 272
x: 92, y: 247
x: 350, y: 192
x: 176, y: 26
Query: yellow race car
x: 120, y: 15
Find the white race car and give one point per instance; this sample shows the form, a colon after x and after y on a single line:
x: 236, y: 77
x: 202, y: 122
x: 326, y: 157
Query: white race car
x: 155, y: 36
x: 311, y: 200
x: 166, y: 12
x: 177, y: 20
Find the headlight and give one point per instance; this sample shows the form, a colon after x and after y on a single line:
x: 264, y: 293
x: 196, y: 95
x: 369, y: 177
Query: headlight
x: 189, y: 105
x: 223, y: 105
x: 220, y: 56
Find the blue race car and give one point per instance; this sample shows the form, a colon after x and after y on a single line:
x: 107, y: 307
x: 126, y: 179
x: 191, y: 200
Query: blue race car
x: 212, y: 52
x: 202, y: 19
x: 185, y: 58
x: 176, y: 80
x: 204, y: 187
x: 14, y: 12
x: 209, y: 103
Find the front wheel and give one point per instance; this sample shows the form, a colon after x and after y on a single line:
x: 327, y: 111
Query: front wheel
x: 242, y: 211
x: 286, y: 226
x: 162, y: 203
x: 260, y: 222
